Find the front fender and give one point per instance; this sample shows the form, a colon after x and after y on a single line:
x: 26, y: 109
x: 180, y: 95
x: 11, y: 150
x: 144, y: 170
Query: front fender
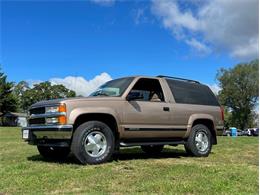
x: 75, y: 113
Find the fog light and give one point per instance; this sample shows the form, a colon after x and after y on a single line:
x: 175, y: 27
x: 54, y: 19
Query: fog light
x: 52, y: 120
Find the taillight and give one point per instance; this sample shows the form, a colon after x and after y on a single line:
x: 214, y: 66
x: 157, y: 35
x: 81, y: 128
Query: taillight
x: 222, y: 113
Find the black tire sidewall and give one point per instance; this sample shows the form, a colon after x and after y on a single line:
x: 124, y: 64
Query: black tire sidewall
x: 80, y: 135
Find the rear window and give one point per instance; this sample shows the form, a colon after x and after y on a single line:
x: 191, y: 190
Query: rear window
x: 192, y: 93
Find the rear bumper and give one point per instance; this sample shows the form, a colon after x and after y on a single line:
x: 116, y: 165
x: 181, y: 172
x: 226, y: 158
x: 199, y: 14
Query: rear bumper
x: 44, y: 134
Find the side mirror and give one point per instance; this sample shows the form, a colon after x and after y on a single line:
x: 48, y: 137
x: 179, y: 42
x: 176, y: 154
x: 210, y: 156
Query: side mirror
x: 134, y: 96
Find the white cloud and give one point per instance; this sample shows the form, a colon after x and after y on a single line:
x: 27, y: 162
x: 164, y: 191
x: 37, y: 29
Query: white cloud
x: 80, y: 85
x: 103, y: 2
x: 200, y: 47
x: 229, y: 26
x: 215, y: 88
x: 173, y: 18
x: 139, y: 14
x: 249, y: 50
x: 33, y: 82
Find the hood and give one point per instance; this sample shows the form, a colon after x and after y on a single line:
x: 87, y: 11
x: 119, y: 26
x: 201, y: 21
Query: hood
x: 57, y: 101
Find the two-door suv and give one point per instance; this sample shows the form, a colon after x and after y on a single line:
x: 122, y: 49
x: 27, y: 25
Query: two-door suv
x: 133, y: 111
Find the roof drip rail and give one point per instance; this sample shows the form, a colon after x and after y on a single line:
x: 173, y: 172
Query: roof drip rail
x: 177, y: 78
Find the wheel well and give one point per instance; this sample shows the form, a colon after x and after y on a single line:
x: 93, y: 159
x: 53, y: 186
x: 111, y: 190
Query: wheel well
x: 105, y: 118
x: 208, y: 123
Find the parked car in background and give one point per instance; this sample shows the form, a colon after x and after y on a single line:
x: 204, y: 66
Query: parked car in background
x: 248, y: 132
x: 239, y: 132
x: 226, y: 132
x: 245, y: 132
x: 255, y: 131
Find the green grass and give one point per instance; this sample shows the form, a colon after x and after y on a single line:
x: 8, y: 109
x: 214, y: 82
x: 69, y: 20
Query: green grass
x: 231, y: 168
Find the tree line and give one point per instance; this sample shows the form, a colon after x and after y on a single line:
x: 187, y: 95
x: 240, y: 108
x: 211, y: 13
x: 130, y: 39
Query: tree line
x: 239, y: 94
x: 19, y: 97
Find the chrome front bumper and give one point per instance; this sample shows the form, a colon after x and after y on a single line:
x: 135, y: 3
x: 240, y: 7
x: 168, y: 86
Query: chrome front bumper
x: 61, y: 132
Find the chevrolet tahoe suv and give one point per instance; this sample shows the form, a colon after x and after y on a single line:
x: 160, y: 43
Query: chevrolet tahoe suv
x: 133, y: 111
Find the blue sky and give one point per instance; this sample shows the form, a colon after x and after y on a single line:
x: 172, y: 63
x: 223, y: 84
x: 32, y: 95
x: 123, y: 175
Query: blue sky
x: 46, y: 40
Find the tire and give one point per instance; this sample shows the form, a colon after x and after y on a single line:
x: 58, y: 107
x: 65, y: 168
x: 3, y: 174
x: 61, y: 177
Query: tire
x: 199, y: 143
x: 57, y: 153
x: 93, y: 142
x: 152, y: 149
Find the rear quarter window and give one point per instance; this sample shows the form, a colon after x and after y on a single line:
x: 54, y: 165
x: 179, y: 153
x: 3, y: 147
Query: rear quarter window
x: 192, y: 93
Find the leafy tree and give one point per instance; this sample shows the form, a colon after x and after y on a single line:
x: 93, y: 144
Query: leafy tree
x: 8, y: 101
x: 228, y: 118
x: 44, y: 91
x: 19, y: 91
x: 239, y: 92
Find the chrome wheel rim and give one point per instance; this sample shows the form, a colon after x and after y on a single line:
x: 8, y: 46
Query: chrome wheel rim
x: 95, y: 144
x: 201, y: 141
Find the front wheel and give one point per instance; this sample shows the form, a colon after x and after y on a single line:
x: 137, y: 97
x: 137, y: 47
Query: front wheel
x: 93, y: 143
x: 57, y: 153
x: 199, y: 142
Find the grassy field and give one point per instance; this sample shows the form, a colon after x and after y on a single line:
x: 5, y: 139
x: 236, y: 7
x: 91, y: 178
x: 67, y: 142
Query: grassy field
x: 231, y: 168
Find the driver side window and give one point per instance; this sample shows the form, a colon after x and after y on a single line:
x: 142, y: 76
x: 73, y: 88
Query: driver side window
x: 148, y: 90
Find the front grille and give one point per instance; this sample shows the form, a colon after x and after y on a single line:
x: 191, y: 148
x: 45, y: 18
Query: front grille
x: 36, y: 121
x: 40, y: 110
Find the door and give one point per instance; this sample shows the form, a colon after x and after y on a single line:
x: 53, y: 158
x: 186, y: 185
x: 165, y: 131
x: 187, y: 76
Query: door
x: 146, y: 114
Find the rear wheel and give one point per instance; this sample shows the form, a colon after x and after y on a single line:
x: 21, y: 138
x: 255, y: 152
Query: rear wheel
x: 93, y: 143
x: 53, y: 152
x: 152, y: 149
x: 199, y: 142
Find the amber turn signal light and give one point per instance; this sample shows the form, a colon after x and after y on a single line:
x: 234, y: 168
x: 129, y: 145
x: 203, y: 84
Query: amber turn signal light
x: 62, y: 108
x: 62, y: 120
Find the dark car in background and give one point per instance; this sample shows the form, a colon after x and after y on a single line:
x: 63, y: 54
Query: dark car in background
x: 255, y: 131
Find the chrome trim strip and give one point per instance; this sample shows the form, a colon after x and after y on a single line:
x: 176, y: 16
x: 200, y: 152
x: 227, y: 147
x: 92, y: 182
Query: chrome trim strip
x: 50, y: 132
x: 47, y: 115
x: 53, y: 134
x: 60, y: 127
x: 155, y: 129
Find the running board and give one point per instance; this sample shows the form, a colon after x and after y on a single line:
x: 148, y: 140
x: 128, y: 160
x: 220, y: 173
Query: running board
x: 128, y: 144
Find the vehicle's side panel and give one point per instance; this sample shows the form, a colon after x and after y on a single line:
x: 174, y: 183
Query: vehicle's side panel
x: 144, y: 119
x: 186, y: 114
x: 113, y: 108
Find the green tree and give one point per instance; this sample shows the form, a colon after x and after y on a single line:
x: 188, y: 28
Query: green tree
x: 44, y: 91
x: 8, y: 101
x: 19, y: 90
x: 239, y: 92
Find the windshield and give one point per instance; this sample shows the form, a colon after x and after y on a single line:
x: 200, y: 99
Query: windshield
x: 113, y: 88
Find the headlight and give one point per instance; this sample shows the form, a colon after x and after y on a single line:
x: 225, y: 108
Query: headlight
x: 52, y: 109
x: 58, y: 116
